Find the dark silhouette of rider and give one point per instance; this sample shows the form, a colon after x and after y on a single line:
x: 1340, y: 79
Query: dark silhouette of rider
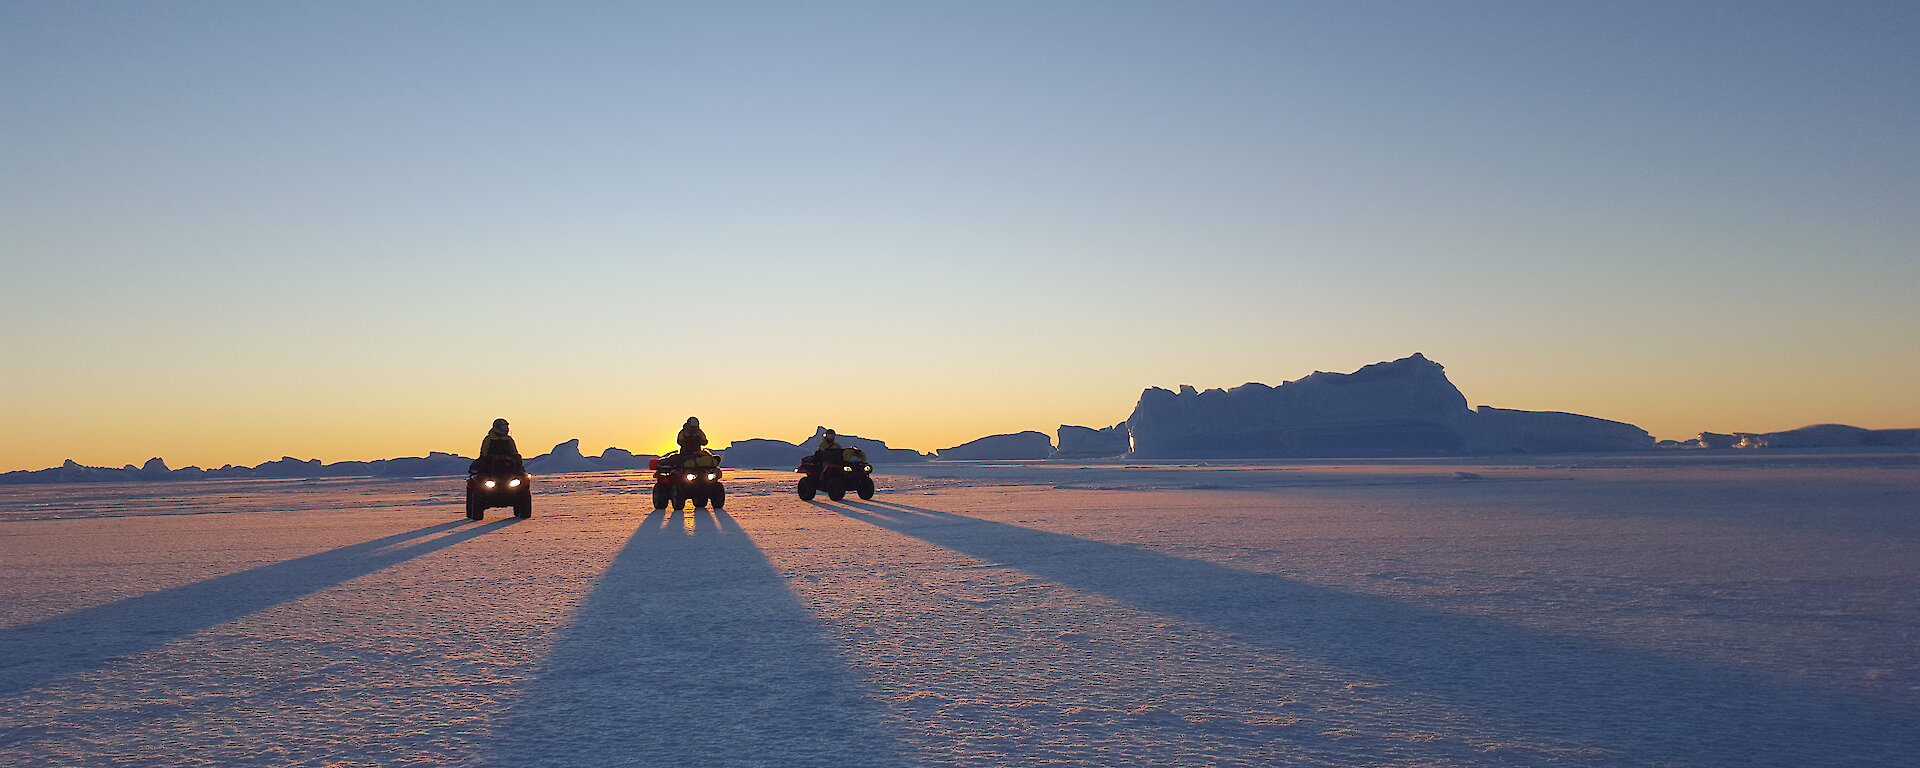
x: 496, y: 449
x: 830, y: 450
x: 691, y: 438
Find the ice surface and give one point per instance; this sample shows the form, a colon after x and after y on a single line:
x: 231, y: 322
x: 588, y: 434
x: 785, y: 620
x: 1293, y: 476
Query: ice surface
x: 1660, y: 609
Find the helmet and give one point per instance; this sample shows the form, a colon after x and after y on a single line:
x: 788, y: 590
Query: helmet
x: 499, y: 423
x: 693, y: 421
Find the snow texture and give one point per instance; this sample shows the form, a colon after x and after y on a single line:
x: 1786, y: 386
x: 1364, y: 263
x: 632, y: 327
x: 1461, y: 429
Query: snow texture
x: 1664, y: 608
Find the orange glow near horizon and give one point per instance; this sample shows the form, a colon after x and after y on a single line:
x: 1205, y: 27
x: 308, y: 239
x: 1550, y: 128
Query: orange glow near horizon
x: 129, y: 434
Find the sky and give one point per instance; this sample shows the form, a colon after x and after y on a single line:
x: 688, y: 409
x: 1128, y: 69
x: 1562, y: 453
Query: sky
x: 235, y: 231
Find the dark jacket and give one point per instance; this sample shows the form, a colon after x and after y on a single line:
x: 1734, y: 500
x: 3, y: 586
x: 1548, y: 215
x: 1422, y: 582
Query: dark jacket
x: 829, y: 452
x: 497, y: 454
x: 496, y: 444
x: 691, y: 439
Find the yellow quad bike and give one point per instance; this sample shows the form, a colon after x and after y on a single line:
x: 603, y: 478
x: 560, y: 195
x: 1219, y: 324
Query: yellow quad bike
x: 846, y: 471
x: 680, y: 479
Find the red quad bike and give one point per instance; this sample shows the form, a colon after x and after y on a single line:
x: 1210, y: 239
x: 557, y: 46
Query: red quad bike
x: 680, y: 479
x: 502, y: 483
x: 837, y: 475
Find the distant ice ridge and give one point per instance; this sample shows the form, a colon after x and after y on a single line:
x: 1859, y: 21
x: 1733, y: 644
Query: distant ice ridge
x: 777, y: 454
x: 565, y: 457
x: 1073, y: 443
x: 1087, y: 442
x: 1405, y: 407
x: 286, y: 467
x: 1019, y: 445
x: 1812, y: 436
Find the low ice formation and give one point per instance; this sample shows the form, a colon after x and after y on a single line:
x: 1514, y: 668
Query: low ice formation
x: 1019, y: 445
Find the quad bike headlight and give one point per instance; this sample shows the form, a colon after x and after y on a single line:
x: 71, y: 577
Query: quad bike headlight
x: 490, y: 483
x: 514, y: 483
x: 691, y: 477
x: 709, y: 477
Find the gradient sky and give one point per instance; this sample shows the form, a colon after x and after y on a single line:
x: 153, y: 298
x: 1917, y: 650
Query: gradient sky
x: 235, y: 231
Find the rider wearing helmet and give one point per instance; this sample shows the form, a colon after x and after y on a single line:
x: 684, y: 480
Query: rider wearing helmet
x: 495, y: 447
x: 829, y: 450
x: 691, y: 438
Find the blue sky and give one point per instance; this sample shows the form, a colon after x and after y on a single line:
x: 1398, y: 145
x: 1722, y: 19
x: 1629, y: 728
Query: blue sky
x: 351, y: 230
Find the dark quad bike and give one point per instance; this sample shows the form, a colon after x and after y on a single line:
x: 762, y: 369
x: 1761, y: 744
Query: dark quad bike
x: 680, y: 479
x: 504, y: 484
x: 850, y: 473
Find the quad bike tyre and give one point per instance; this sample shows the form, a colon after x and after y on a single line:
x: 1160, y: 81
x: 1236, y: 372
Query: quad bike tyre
x: 523, y: 508
x: 865, y: 488
x: 808, y: 488
x: 660, y: 497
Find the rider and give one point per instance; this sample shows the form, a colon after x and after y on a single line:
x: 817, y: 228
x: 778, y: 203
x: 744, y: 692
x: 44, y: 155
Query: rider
x: 691, y: 438
x: 495, y: 447
x: 830, y: 449
x: 692, y: 441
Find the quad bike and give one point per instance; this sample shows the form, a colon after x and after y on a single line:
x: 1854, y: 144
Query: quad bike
x: 836, y: 473
x: 679, y: 479
x: 501, y: 482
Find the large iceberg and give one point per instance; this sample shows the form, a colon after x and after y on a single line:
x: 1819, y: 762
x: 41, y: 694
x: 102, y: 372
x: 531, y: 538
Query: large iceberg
x: 1500, y: 430
x: 1405, y: 407
x: 565, y: 457
x: 1019, y: 445
x: 762, y: 453
x: 1087, y: 442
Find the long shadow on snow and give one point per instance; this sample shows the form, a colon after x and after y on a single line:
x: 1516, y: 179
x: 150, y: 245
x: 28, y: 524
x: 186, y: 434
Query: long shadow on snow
x: 1643, y: 707
x: 88, y: 639
x: 691, y: 650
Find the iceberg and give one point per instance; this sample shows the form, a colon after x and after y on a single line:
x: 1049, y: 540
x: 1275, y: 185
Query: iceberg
x: 1404, y: 407
x: 1019, y: 445
x: 1087, y: 442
